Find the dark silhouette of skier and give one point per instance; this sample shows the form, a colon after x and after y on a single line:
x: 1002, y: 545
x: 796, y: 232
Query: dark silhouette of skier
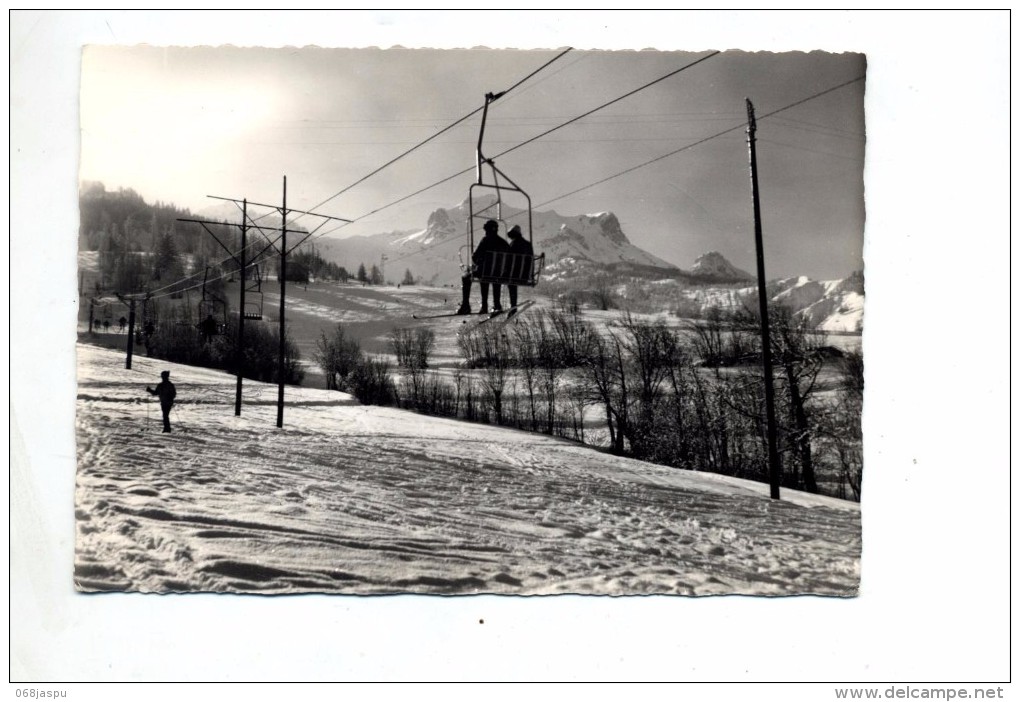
x: 123, y: 323
x: 487, y: 261
x: 521, y: 259
x: 167, y: 392
x: 208, y: 329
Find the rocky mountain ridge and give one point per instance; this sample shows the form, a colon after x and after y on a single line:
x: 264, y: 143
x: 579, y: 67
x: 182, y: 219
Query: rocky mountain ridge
x: 581, y: 248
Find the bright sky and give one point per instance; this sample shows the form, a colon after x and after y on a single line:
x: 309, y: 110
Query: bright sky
x: 178, y: 124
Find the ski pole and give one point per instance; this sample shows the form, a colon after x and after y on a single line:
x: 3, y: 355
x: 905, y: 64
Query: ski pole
x: 177, y: 418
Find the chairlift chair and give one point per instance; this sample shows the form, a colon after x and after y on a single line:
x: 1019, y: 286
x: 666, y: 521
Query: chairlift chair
x: 211, y: 306
x: 499, y: 267
x: 253, y: 307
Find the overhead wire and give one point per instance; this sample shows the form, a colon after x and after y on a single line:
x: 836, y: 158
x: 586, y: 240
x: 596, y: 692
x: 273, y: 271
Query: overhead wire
x: 716, y: 135
x: 231, y: 257
x: 836, y: 131
x: 437, y: 134
x: 800, y: 147
x: 702, y: 141
x: 556, y: 128
x: 196, y: 273
x: 254, y: 221
x: 528, y: 141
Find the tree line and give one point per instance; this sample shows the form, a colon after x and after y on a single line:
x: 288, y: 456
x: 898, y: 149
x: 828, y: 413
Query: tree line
x: 690, y: 397
x: 144, y: 246
x: 172, y: 336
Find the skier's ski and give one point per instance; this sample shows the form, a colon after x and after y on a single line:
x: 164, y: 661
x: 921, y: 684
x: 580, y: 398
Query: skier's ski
x: 447, y: 314
x: 520, y: 307
x: 510, y: 312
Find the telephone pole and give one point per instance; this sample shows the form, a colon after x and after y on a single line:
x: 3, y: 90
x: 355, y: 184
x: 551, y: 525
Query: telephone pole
x: 280, y: 365
x: 130, y: 300
x: 763, y: 307
x: 239, y: 347
x: 239, y: 260
x: 284, y: 251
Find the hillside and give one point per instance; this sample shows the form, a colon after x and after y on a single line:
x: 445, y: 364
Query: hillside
x: 354, y: 499
x: 579, y: 250
x: 834, y: 306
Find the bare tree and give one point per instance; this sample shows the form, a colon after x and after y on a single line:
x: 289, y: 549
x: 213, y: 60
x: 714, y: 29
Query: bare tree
x: 602, y: 291
x: 797, y: 351
x: 842, y: 424
x: 709, y: 337
x: 412, y: 349
x: 337, y: 355
x: 605, y: 375
x: 526, y: 350
x: 497, y: 357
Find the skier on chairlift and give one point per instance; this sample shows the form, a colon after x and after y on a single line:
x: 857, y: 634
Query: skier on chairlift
x: 520, y: 261
x: 484, y: 259
x: 208, y: 328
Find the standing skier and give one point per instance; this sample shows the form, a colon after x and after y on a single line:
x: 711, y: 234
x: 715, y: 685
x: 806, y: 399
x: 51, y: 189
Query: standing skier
x: 167, y: 392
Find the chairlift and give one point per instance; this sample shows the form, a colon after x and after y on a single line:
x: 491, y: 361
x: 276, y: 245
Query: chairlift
x: 212, y: 311
x: 253, y: 307
x: 499, y: 267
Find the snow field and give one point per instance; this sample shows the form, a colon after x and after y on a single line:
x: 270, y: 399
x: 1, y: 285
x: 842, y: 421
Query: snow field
x: 369, y: 500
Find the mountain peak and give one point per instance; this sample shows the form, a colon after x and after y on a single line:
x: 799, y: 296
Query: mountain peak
x: 714, y: 266
x: 609, y: 224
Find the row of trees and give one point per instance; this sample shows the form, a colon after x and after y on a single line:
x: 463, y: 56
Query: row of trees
x: 145, y: 246
x: 303, y: 266
x: 691, y: 398
x: 139, y: 244
x: 173, y: 336
x: 374, y: 276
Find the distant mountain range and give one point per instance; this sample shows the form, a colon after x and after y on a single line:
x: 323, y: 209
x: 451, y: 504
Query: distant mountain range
x: 431, y: 253
x: 826, y: 305
x: 580, y: 246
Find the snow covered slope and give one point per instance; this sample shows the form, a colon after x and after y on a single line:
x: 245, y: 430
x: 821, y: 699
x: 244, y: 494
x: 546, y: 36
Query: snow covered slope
x: 354, y: 499
x: 828, y: 305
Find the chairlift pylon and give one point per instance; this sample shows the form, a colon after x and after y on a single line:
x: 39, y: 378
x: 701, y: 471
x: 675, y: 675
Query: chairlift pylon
x: 500, y: 267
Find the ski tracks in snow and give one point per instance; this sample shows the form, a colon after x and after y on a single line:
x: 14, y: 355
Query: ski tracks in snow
x: 371, y: 500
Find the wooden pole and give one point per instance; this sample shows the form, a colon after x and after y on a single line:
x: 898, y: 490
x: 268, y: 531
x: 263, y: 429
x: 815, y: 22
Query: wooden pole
x: 239, y: 355
x: 131, y: 332
x: 763, y: 307
x: 283, y: 283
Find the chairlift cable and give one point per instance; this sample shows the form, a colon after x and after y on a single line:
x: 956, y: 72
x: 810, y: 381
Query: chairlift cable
x: 528, y: 141
x: 436, y: 135
x: 742, y: 125
x: 634, y: 168
x: 196, y: 273
x: 599, y: 182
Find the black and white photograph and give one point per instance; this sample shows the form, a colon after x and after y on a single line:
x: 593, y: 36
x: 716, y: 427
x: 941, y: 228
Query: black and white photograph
x: 486, y: 333
x: 470, y: 321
